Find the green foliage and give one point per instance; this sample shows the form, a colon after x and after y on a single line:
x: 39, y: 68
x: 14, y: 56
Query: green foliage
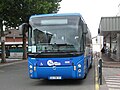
x: 15, y: 12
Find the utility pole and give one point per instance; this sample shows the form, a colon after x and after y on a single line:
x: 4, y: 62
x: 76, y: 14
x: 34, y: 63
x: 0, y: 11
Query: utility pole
x: 2, y: 43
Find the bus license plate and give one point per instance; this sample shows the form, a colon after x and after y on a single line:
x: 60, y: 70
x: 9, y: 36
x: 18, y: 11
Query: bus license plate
x: 55, y: 77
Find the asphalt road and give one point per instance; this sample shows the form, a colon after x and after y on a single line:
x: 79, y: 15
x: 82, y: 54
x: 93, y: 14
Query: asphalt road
x: 15, y: 77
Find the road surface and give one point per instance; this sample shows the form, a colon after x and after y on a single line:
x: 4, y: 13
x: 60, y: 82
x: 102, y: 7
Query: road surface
x: 15, y: 77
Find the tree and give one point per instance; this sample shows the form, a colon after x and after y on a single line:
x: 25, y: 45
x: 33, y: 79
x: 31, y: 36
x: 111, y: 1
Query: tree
x: 16, y: 12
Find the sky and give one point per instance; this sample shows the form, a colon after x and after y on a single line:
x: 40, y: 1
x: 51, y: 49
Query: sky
x: 91, y: 10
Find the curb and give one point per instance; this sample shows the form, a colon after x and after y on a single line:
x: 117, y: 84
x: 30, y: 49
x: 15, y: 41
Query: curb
x: 11, y: 63
x: 97, y: 86
x: 107, y: 64
x: 110, y: 66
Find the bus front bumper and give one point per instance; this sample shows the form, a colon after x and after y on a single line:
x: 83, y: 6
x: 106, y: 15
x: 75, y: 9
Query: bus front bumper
x: 55, y: 72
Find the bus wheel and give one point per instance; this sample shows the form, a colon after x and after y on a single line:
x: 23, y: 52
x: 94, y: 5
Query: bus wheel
x: 85, y: 75
x: 86, y: 71
x: 91, y: 63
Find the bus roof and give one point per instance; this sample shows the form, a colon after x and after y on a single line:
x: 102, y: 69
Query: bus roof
x: 56, y: 14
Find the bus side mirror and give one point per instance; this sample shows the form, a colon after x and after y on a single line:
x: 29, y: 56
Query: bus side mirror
x: 24, y: 27
x: 85, y: 31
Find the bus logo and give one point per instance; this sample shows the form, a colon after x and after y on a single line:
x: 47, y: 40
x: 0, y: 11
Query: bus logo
x: 51, y: 63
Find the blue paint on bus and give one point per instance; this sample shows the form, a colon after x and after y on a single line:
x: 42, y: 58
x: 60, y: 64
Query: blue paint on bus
x: 64, y: 68
x: 59, y: 47
x: 59, y: 14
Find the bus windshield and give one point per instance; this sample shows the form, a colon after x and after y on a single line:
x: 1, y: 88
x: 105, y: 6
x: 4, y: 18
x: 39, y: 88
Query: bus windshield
x: 55, y: 34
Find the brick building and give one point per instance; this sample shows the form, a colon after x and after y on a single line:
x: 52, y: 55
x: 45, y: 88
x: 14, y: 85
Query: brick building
x: 13, y: 42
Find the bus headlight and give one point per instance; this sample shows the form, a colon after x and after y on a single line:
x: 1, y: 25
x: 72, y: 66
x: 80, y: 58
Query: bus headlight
x: 74, y: 68
x: 31, y: 71
x: 79, y: 75
x: 79, y: 70
x: 30, y: 66
x: 79, y: 65
x: 34, y: 68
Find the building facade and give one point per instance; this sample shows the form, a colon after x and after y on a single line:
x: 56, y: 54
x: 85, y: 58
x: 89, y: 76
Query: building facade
x: 13, y: 43
x: 109, y: 28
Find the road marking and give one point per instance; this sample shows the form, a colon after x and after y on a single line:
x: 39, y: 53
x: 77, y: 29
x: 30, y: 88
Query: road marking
x: 118, y: 81
x: 97, y: 84
x: 113, y: 89
x: 113, y: 86
x: 113, y: 82
x: 2, y: 71
x: 97, y: 87
x: 113, y: 77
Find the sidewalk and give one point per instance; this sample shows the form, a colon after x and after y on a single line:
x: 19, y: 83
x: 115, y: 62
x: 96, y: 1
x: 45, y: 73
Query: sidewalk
x: 10, y: 61
x: 109, y: 62
x: 111, y: 72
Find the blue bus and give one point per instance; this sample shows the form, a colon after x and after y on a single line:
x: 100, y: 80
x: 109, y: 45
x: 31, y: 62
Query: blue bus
x: 59, y: 47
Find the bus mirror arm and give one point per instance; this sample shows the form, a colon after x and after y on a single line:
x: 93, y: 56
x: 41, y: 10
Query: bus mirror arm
x: 85, y: 29
x: 24, y: 27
